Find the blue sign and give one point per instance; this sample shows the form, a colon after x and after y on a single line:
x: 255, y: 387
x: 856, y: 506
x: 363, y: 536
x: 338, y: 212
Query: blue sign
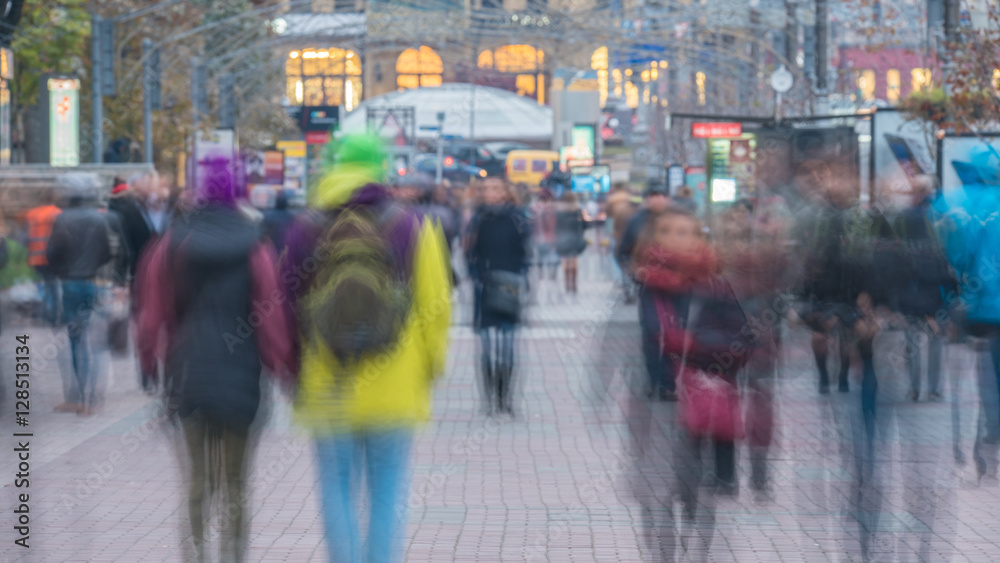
x: 643, y: 54
x: 590, y: 179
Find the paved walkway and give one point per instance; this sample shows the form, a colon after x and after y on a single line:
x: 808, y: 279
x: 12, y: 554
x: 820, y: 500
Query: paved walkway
x: 548, y: 485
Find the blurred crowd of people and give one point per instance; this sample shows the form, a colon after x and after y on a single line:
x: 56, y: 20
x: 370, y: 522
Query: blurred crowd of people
x: 346, y: 304
x: 84, y: 252
x: 884, y: 284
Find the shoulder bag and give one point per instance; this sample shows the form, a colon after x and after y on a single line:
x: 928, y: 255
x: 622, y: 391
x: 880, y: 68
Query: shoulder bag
x: 709, y: 405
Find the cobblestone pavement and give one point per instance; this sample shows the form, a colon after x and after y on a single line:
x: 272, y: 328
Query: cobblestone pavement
x: 547, y: 485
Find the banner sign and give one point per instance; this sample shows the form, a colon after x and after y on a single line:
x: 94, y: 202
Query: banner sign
x: 64, y: 121
x: 716, y: 130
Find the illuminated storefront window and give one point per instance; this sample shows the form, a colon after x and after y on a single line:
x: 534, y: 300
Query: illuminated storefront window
x: 865, y: 80
x: 324, y: 77
x: 599, y: 62
x: 920, y: 79
x: 418, y: 67
x: 524, y: 61
x: 892, y: 85
x: 631, y: 95
x: 699, y: 80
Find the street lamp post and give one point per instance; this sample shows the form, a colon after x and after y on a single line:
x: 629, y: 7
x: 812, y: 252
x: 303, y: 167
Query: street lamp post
x: 97, y: 118
x: 822, y: 38
x: 196, y: 89
x: 440, y: 149
x: 98, y: 66
x: 147, y: 102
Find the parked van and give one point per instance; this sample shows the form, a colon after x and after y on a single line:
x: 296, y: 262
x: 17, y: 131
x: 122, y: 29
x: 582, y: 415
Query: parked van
x: 530, y: 166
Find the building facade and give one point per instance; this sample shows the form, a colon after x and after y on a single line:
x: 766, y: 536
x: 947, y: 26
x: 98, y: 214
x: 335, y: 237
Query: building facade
x: 340, y: 52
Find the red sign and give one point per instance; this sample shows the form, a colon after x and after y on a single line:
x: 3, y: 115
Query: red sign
x: 317, y: 137
x: 715, y: 130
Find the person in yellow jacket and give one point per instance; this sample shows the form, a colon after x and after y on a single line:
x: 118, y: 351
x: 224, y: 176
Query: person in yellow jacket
x: 365, y: 410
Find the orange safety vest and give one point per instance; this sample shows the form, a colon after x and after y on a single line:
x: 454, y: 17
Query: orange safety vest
x: 40, y: 220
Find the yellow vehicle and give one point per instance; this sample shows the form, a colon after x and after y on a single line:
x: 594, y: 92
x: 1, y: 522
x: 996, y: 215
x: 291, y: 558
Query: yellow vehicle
x: 530, y: 166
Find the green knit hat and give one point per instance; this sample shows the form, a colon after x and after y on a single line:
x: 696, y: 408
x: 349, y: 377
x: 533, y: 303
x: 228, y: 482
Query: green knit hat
x: 359, y: 151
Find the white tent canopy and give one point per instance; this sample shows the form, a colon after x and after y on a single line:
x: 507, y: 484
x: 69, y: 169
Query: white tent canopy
x: 498, y: 114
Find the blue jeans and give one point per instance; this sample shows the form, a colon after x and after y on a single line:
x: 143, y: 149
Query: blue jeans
x: 616, y: 269
x: 497, y: 364
x: 50, y: 295
x: 79, y: 301
x: 385, y: 455
x: 914, y: 327
x: 659, y: 368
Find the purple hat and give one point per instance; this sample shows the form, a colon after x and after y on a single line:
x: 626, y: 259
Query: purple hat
x: 221, y: 179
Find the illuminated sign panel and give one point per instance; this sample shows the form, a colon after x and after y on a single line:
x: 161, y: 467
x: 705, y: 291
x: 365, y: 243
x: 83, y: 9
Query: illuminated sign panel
x: 716, y: 130
x: 64, y: 121
x: 6, y: 63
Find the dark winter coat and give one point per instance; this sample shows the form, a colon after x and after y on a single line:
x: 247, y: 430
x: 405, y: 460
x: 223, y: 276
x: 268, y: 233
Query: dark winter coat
x: 499, y: 239
x: 629, y: 240
x: 924, y: 276
x: 80, y: 243
x: 214, y: 366
x: 277, y: 221
x: 720, y: 341
x: 570, y: 227
x: 135, y: 226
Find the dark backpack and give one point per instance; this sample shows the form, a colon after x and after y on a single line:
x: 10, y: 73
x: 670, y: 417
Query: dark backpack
x: 360, y: 296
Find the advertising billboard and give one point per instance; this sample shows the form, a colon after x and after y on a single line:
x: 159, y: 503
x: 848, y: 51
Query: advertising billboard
x: 294, y: 163
x: 220, y: 142
x: 969, y: 161
x: 713, y: 129
x: 731, y: 168
x: 591, y: 179
x: 582, y: 149
x: 265, y: 173
x: 900, y: 152
x: 6, y: 74
x: 4, y: 123
x: 64, y: 121
x: 675, y: 178
x: 274, y: 168
x: 264, y: 167
x: 320, y: 118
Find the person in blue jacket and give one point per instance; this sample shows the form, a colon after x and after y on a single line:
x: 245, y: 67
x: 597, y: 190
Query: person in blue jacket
x: 969, y: 228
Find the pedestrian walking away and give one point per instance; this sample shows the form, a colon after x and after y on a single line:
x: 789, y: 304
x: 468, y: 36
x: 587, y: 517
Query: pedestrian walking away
x: 80, y: 245
x: 368, y: 358
x: 39, y: 221
x: 570, y: 240
x: 200, y: 281
x: 661, y: 381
